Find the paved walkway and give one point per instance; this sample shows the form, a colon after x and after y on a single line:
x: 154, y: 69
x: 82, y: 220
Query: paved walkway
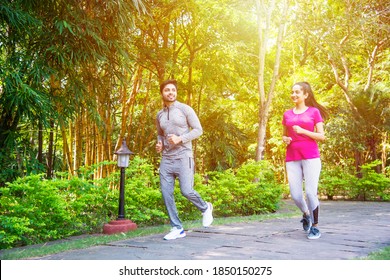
x: 349, y: 230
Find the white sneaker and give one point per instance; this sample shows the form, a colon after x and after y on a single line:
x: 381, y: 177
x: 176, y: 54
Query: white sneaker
x: 175, y: 233
x: 208, y: 215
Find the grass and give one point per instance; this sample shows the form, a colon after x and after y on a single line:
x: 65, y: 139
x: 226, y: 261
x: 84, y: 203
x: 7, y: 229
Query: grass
x: 383, y: 254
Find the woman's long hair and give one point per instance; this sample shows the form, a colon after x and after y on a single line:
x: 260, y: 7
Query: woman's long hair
x: 311, y: 101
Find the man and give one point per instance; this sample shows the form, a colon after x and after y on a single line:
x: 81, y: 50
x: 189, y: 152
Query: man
x: 177, y: 125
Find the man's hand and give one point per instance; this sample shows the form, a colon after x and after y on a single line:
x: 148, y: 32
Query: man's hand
x: 174, y: 139
x: 159, y: 147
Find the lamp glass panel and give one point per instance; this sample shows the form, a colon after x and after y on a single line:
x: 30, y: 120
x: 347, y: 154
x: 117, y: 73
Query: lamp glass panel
x: 123, y: 160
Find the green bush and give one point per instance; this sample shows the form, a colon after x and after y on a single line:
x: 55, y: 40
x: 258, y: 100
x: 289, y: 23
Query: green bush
x: 372, y: 185
x: 35, y: 210
x: 38, y: 205
x: 338, y: 182
x: 335, y: 182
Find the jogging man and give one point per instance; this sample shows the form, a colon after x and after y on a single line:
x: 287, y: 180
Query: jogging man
x: 177, y: 125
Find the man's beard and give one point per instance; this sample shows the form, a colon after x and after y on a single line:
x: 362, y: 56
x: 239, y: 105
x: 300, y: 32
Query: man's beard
x: 169, y: 99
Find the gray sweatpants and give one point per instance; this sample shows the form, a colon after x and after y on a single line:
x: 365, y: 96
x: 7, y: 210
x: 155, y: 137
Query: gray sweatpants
x: 307, y: 171
x: 183, y: 169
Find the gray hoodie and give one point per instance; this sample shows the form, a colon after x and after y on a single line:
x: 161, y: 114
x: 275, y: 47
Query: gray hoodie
x: 181, y: 120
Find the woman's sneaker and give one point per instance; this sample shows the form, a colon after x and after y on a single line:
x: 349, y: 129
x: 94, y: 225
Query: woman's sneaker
x: 314, y: 233
x: 175, y: 233
x: 306, y: 223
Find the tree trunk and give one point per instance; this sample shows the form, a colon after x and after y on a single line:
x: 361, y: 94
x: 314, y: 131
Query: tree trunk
x: 49, y: 164
x: 78, y: 147
x: 40, y: 142
x: 140, y: 136
x: 371, y: 64
x: 128, y: 106
x: 265, y: 101
x: 67, y: 155
x: 384, y: 151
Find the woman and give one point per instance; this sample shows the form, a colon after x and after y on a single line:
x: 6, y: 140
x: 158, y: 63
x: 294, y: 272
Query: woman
x: 303, y: 126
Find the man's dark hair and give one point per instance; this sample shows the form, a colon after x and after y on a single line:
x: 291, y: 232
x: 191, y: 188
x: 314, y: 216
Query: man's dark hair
x: 167, y: 82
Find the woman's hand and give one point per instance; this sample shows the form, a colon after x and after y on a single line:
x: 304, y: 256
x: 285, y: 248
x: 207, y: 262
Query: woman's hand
x: 317, y: 134
x: 297, y: 129
x: 287, y: 140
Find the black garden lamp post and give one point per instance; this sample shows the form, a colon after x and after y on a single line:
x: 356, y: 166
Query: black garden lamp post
x: 123, y: 162
x: 121, y: 224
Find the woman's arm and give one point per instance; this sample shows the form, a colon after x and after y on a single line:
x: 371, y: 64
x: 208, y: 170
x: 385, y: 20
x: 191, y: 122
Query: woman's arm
x: 286, y: 139
x: 318, y: 134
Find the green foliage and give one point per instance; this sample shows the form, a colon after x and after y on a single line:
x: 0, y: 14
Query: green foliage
x: 35, y: 210
x: 223, y: 142
x: 372, y: 185
x: 8, y: 168
x: 337, y: 182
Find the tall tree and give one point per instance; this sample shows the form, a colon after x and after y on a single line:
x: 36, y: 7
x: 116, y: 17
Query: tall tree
x: 266, y: 11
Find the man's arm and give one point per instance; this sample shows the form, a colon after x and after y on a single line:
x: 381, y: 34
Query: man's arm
x: 194, y: 123
x: 160, y: 136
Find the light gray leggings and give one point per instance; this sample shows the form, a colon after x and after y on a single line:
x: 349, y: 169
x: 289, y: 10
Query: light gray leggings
x: 183, y: 169
x: 305, y: 171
